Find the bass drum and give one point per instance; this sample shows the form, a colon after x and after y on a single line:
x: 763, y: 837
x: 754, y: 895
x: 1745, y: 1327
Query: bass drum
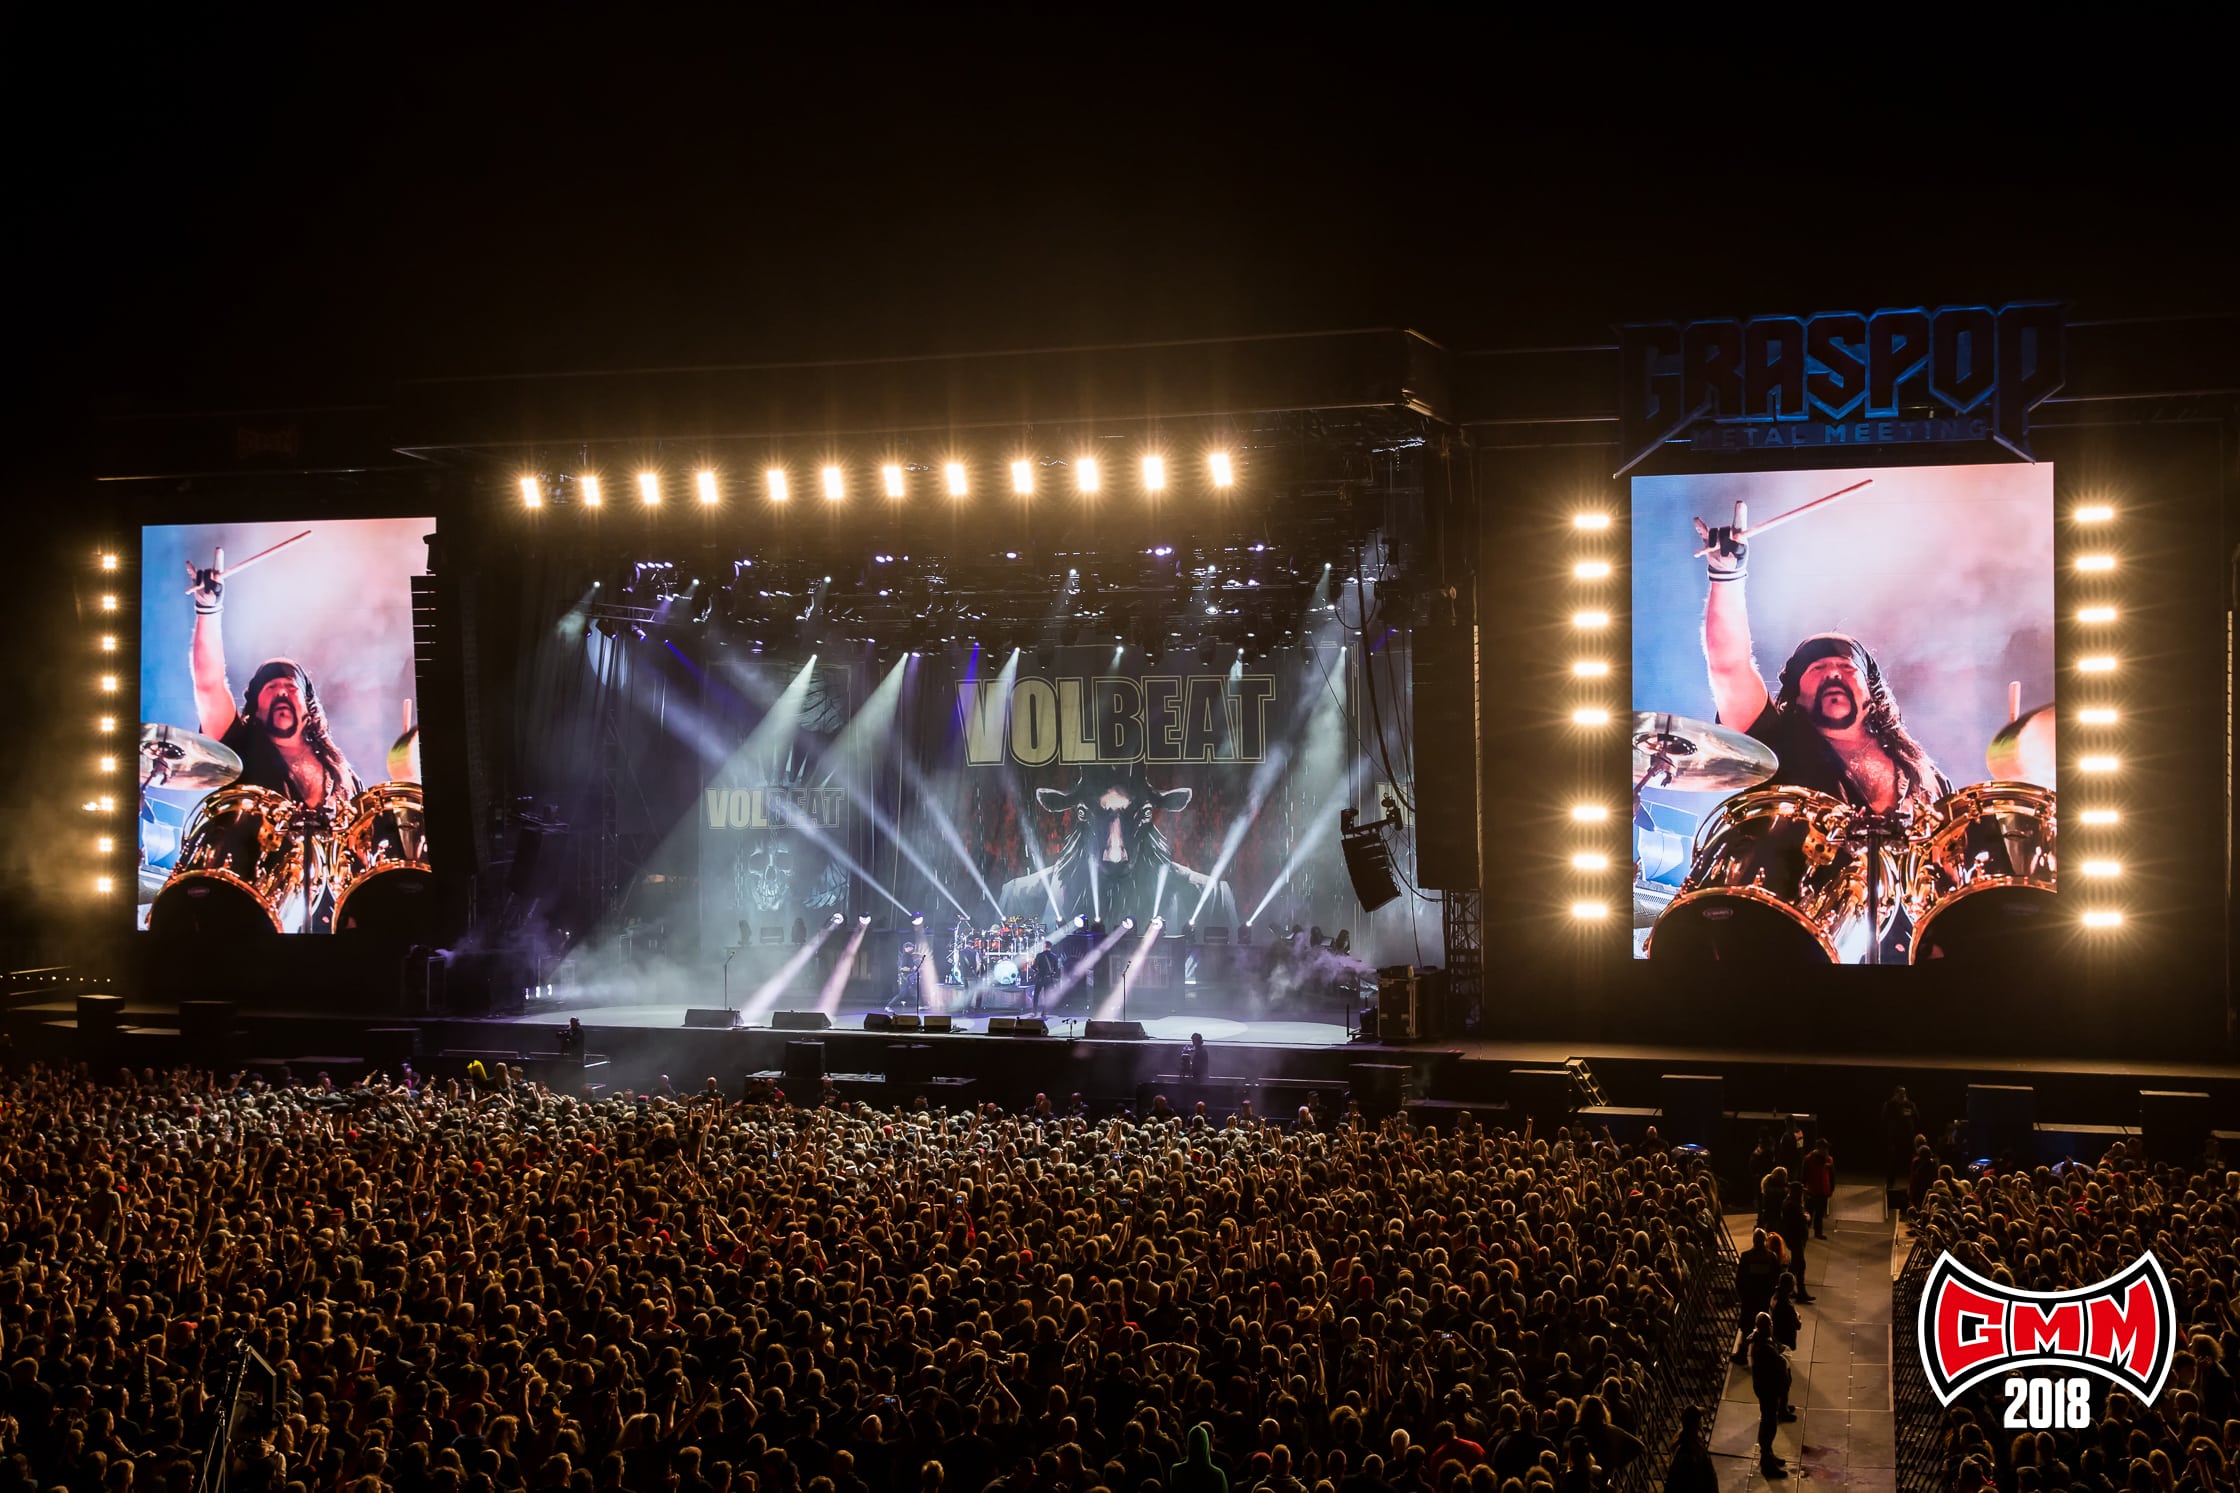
x: 240, y: 870
x: 386, y: 888
x: 1773, y: 882
x: 1005, y: 973
x: 1987, y: 874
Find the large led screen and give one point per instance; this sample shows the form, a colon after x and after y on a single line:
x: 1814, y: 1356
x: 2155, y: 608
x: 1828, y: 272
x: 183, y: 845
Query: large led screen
x: 279, y: 757
x: 1843, y: 684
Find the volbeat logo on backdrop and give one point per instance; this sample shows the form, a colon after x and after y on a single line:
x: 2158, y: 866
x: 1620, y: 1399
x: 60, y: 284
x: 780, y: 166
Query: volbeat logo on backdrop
x: 774, y: 806
x: 1958, y: 373
x: 1117, y: 718
x: 2123, y: 1329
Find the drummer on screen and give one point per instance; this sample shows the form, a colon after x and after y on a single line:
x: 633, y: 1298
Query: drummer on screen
x: 1833, y: 721
x: 276, y: 725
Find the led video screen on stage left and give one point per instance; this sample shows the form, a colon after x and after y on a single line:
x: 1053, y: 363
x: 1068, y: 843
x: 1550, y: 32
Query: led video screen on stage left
x: 1843, y: 685
x: 279, y: 757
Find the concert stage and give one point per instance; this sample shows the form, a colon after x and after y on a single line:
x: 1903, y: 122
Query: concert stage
x: 1170, y: 1028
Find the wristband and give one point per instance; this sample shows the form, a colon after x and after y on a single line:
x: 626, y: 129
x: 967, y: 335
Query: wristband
x: 210, y: 610
x: 1729, y: 575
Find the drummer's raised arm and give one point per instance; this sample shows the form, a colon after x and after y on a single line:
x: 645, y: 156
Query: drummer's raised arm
x: 1738, y: 690
x: 206, y: 654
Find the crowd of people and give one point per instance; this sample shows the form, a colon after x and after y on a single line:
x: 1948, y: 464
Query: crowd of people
x: 2054, y: 1229
x: 438, y: 1289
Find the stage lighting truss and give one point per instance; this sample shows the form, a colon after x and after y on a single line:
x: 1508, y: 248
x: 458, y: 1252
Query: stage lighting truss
x: 2090, y: 597
x: 106, y: 797
x: 1592, y: 700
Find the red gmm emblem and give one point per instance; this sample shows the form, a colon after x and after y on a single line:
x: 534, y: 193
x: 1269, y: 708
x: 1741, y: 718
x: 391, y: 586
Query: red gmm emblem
x: 2125, y: 1329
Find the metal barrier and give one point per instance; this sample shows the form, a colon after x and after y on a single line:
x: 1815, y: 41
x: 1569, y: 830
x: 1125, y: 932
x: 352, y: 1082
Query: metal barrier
x: 1689, y: 1367
x: 1918, y: 1422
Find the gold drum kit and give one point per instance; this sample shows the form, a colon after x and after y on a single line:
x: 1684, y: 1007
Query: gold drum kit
x: 1786, y: 875
x: 252, y: 861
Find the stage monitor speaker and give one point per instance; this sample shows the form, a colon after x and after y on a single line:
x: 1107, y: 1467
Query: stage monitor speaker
x: 1693, y: 1105
x: 1369, y: 868
x: 710, y: 1016
x: 98, y: 1015
x: 909, y: 1023
x: 1115, y: 1031
x: 940, y: 1024
x: 2175, y: 1125
x: 1030, y: 1026
x: 800, y: 1021
x: 1002, y: 1026
x: 1381, y: 1088
x: 2002, y: 1122
x: 1548, y: 1095
x: 804, y: 1060
x: 878, y: 1021
x: 1217, y: 935
x: 1445, y: 666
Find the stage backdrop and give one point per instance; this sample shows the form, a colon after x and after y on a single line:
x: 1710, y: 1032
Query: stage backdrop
x: 970, y: 787
x: 337, y: 601
x: 1942, y: 576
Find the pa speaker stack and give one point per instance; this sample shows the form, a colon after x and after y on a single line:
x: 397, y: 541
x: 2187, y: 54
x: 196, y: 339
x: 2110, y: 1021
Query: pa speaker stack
x: 1369, y: 866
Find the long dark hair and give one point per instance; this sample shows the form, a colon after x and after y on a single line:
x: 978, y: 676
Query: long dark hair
x: 340, y: 779
x: 1880, y: 714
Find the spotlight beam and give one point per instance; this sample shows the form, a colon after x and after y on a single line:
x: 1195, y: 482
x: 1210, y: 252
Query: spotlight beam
x: 1319, y: 829
x: 765, y: 994
x: 828, y: 999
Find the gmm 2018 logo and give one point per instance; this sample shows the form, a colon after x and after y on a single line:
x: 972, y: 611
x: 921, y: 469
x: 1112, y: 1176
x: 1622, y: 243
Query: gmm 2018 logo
x: 2123, y: 1329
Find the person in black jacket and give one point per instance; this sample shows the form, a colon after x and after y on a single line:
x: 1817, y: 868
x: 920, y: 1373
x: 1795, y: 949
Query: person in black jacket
x: 1796, y: 1227
x: 1769, y: 1381
x: 1692, y: 1470
x: 1754, y: 1276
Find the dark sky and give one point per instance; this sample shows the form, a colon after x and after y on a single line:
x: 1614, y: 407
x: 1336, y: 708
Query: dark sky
x: 295, y: 208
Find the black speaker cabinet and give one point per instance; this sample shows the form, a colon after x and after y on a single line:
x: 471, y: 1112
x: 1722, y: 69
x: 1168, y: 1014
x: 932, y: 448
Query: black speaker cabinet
x: 709, y: 1016
x: 800, y: 1021
x: 2175, y: 1125
x: 804, y: 1060
x: 1692, y: 1103
x: 2002, y: 1121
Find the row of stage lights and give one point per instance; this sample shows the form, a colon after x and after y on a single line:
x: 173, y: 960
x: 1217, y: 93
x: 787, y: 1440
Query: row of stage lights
x: 102, y: 798
x: 1154, y: 476
x: 2098, y: 763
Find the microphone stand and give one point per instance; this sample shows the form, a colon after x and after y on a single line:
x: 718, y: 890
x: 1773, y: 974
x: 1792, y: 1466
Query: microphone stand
x: 217, y: 1458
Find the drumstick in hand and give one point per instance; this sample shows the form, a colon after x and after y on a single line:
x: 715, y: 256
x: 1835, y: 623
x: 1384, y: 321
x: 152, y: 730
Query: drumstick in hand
x: 1744, y: 533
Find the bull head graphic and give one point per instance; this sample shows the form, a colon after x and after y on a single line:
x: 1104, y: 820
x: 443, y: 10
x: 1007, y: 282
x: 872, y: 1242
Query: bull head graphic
x: 2124, y: 1329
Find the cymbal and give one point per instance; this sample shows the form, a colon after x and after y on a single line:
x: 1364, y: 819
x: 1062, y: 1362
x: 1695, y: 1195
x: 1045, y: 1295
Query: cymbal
x: 1674, y: 751
x: 2023, y: 751
x: 174, y: 757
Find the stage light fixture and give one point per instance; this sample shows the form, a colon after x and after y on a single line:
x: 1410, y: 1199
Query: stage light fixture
x: 2095, y: 513
x: 1154, y: 474
x: 588, y: 485
x: 2096, y: 715
x: 953, y: 473
x: 2097, y: 663
x: 1590, y: 668
x: 103, y: 885
x: 1590, y: 860
x: 103, y: 845
x: 1086, y: 477
x: 1590, y: 813
x: 532, y: 493
x: 2097, y: 764
x: 1592, y: 570
x: 705, y: 481
x: 106, y: 764
x: 1590, y: 520
x: 108, y: 684
x: 1590, y: 912
x: 108, y: 562
x: 106, y: 804
x: 1592, y: 617
x: 2101, y: 870
x: 774, y: 481
x: 108, y: 603
x: 1590, y: 715
x: 1217, y: 466
x: 838, y: 919
x: 2092, y: 564
x: 649, y: 488
x: 2097, y: 816
x: 891, y: 475
x: 2103, y: 918
x: 864, y: 921
x: 835, y: 484
x: 1127, y: 924
x: 2096, y: 614
x: 1080, y: 921
x: 108, y: 642
x: 1022, y: 478
x: 106, y: 724
x: 917, y: 920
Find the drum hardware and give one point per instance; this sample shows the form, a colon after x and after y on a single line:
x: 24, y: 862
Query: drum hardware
x: 1674, y: 751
